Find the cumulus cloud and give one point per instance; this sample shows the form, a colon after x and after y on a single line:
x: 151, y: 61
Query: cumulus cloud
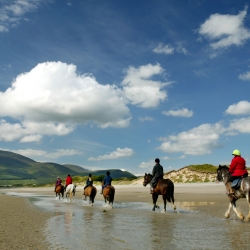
x: 140, y: 90
x: 48, y: 155
x: 197, y: 141
x: 240, y: 108
x: 239, y: 125
x: 31, y: 138
x: 179, y: 113
x: 12, y: 11
x: 52, y: 99
x: 245, y: 76
x: 225, y: 30
x: 118, y: 153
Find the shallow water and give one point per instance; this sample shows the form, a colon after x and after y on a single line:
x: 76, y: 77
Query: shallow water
x: 132, y: 225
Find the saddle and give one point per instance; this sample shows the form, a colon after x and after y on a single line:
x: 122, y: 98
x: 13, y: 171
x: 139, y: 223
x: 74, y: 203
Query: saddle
x: 236, y: 183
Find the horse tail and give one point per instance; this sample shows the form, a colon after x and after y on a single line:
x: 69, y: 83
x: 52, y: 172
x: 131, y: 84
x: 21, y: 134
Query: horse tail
x: 170, y: 191
x: 93, y: 193
x: 111, y: 194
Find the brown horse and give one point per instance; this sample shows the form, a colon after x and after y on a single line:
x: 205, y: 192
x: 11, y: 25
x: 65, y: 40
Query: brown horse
x: 91, y: 192
x: 109, y: 194
x: 59, y: 191
x: 242, y: 192
x: 164, y: 187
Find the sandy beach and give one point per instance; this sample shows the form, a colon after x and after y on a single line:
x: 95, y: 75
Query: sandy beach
x: 22, y: 223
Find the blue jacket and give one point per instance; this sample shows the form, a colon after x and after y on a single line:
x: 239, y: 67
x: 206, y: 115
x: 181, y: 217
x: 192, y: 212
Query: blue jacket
x: 107, y: 180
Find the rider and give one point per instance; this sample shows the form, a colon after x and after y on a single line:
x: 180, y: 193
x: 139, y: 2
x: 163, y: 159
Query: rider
x: 58, y: 182
x: 106, y: 181
x: 89, y: 182
x: 68, y: 181
x: 157, y: 175
x: 237, y: 169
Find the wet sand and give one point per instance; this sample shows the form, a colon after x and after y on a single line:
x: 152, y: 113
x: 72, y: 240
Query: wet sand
x: 21, y: 225
x: 20, y: 220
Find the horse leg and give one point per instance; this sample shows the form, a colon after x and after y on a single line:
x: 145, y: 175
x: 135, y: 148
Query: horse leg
x: 165, y: 202
x: 227, y: 214
x: 248, y: 216
x: 154, y: 197
x: 239, y: 214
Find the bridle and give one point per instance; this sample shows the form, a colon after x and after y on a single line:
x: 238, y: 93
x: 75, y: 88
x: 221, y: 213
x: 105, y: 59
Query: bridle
x: 221, y: 177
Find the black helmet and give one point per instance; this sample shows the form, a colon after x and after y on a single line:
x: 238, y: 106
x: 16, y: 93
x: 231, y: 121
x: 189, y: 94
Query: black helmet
x: 108, y: 173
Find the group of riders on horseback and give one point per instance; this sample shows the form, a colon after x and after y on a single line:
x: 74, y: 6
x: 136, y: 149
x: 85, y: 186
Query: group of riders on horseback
x: 89, y: 182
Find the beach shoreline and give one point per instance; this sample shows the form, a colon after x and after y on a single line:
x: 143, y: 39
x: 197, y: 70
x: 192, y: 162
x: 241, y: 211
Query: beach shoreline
x: 22, y: 220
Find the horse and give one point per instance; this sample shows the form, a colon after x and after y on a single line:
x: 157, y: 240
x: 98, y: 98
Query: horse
x: 70, y: 191
x: 59, y: 191
x: 91, y: 192
x: 109, y: 194
x: 223, y: 175
x: 164, y: 187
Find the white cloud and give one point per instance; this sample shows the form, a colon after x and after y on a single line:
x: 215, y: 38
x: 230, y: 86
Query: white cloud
x: 52, y: 99
x: 167, y: 49
x: 179, y: 113
x: 30, y: 131
x: 148, y: 164
x: 12, y: 12
x: 48, y: 155
x: 118, y: 153
x: 146, y: 118
x: 225, y: 30
x: 245, y: 76
x: 140, y: 90
x: 239, y: 125
x: 240, y: 108
x: 31, y: 138
x: 197, y: 141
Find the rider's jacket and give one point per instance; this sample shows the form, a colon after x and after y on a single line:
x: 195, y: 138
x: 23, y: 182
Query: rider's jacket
x: 68, y: 180
x: 238, y: 166
x: 58, y: 182
x: 89, y: 181
x: 107, y: 180
x: 157, y: 171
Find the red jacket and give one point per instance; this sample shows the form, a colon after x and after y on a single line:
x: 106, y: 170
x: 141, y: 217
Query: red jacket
x: 238, y: 166
x: 68, y: 180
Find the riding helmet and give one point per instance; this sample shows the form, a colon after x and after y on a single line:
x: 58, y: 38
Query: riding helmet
x: 236, y: 152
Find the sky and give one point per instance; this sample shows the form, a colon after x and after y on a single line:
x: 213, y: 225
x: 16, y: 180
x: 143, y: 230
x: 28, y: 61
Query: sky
x: 115, y: 84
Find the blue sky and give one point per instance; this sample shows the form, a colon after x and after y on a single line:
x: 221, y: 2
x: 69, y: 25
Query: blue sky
x: 115, y: 84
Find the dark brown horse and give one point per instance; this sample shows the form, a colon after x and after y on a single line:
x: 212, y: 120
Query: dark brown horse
x: 164, y: 187
x: 109, y: 194
x: 91, y: 192
x: 59, y: 191
x: 242, y: 192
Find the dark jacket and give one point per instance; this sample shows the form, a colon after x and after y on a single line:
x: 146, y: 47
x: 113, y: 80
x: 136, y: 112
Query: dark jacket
x: 157, y: 171
x: 157, y: 174
x: 89, y: 182
x: 107, y: 180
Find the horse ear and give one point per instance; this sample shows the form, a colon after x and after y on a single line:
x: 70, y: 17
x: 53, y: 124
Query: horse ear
x: 145, y: 174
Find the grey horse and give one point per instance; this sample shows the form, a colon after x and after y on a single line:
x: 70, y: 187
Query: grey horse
x: 242, y: 192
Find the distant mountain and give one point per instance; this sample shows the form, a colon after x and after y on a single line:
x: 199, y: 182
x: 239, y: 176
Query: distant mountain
x: 15, y: 168
x: 76, y: 168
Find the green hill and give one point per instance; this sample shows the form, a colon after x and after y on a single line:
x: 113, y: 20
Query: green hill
x: 17, y: 169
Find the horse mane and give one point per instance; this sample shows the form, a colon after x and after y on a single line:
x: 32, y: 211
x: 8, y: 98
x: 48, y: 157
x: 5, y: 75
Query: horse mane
x: 150, y: 175
x: 223, y: 167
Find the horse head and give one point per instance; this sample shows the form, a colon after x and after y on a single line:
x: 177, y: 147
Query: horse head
x: 147, y: 179
x: 222, y: 173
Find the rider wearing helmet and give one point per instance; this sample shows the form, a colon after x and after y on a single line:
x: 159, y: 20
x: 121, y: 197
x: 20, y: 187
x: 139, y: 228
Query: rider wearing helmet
x: 157, y: 175
x: 237, y: 168
x: 58, y: 182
